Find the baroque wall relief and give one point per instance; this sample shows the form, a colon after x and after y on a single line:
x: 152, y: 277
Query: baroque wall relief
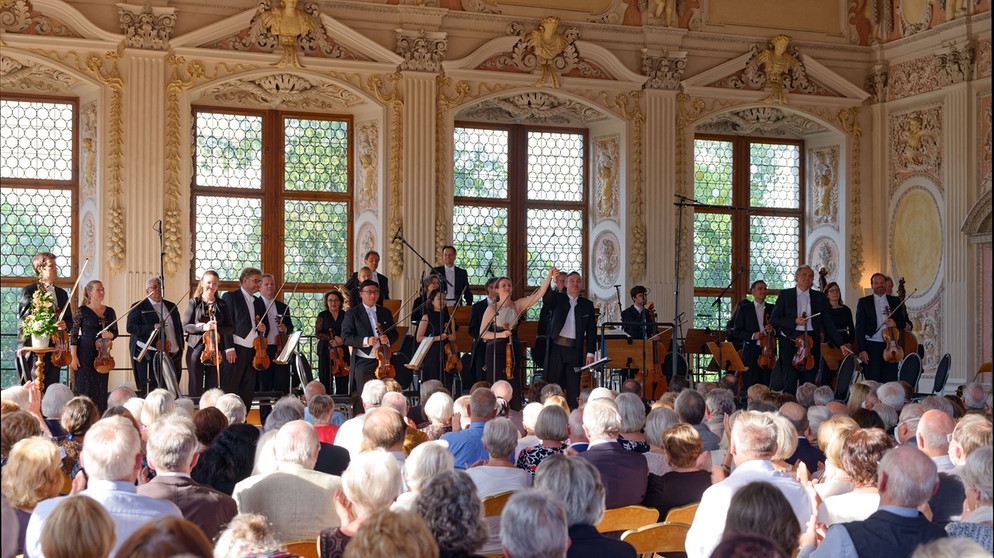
x: 824, y: 173
x: 607, y: 158
x: 955, y: 64
x: 915, y: 145
x: 88, y: 151
x: 982, y: 67
x: 824, y: 253
x: 607, y: 260
x: 607, y: 309
x: 88, y: 247
x: 366, y: 241
x: 30, y: 76
x: 927, y: 326
x: 367, y: 157
x: 984, y: 144
x: 19, y: 16
x: 282, y: 90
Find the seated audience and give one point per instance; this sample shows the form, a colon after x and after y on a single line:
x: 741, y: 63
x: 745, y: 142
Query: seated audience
x: 690, y: 408
x: 907, y: 425
x: 350, y: 433
x: 950, y: 547
x: 831, y: 440
x: 805, y: 452
x: 312, y: 389
x: 866, y: 418
x: 657, y: 421
x: 466, y: 445
x: 209, y: 398
x: 412, y: 436
x: 892, y: 394
x: 786, y: 443
x: 91, y: 528
x: 533, y: 525
x: 933, y: 434
x: 233, y: 407
x: 970, y: 433
x: 761, y: 509
x: 685, y: 483
x: 624, y: 473
x: 498, y: 474
x: 229, y: 460
x: 632, y: 411
x: 748, y: 545
x: 977, y: 522
x: 16, y: 426
x: 209, y: 424
x: 578, y: 441
x: 248, y: 534
x: 384, y: 429
x: 371, y: 483
x: 79, y: 414
x: 426, y: 461
x: 158, y: 403
x: 438, y: 411
x: 428, y: 388
x: 169, y: 537
x: 453, y: 513
x: 52, y: 403
x: 397, y: 534
x: 577, y: 483
x: 718, y: 404
x: 552, y: 430
x: 33, y: 473
x: 529, y: 417
x: 321, y: 407
x: 861, y: 455
x: 974, y: 398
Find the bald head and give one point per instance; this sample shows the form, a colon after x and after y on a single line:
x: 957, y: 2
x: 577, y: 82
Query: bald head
x: 933, y: 430
x: 906, y: 477
x: 502, y: 389
x: 797, y: 415
x: 837, y: 408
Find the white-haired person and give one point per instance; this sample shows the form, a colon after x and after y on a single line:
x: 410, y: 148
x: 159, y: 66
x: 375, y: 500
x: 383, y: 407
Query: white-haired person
x: 533, y: 525
x: 371, y: 483
x: 656, y: 422
x: 529, y: 416
x: 52, y: 403
x: 552, y: 429
x: 438, y: 411
x: 158, y: 403
x: 978, y: 506
x: 624, y: 473
x: 632, y: 411
x: 498, y: 474
x: 233, y: 407
x: 425, y: 461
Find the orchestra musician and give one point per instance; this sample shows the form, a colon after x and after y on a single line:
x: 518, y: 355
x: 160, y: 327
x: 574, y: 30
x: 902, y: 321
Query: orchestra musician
x: 903, y: 310
x: 244, y: 308
x: 636, y: 314
x: 433, y: 323
x: 145, y: 318
x: 544, y: 318
x: 278, y: 323
x: 328, y: 330
x: 499, y: 327
x: 802, y: 311
x: 842, y: 318
x: 474, y: 327
x: 573, y: 328
x: 359, y: 331
x: 44, y: 266
x: 456, y: 280
x: 751, y: 322
x: 206, y: 313
x: 421, y: 306
x: 372, y: 261
x: 875, y: 312
x: 88, y: 325
x: 364, y: 274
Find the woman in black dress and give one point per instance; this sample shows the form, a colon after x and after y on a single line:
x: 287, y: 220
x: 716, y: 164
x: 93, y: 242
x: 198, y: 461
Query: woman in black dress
x: 204, y: 313
x: 87, y: 325
x: 328, y: 330
x: 842, y: 318
x: 433, y: 323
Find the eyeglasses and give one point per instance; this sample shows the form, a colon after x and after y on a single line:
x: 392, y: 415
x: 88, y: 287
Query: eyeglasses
x: 370, y: 291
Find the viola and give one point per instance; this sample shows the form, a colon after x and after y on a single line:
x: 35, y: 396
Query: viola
x: 260, y: 360
x: 803, y: 359
x: 281, y: 337
x: 338, y: 365
x: 453, y: 364
x: 384, y: 369
x: 767, y: 356
x: 104, y: 362
x: 62, y: 355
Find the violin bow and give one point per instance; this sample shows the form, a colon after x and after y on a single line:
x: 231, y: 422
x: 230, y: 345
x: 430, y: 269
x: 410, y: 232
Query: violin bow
x: 272, y: 302
x: 155, y: 332
x: 121, y: 317
x: 894, y: 309
x: 62, y: 314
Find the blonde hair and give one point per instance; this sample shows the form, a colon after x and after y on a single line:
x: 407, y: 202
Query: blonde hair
x: 857, y: 396
x: 832, y: 437
x: 89, y: 287
x: 683, y: 444
x: 89, y: 523
x: 389, y: 533
x: 33, y: 472
x: 559, y: 401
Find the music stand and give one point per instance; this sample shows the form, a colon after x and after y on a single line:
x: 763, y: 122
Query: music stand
x: 628, y: 353
x: 727, y: 357
x: 696, y: 343
x: 420, y: 353
x: 587, y: 374
x: 291, y: 345
x: 401, y: 333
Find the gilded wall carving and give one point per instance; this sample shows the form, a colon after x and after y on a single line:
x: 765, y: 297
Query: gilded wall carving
x: 824, y: 254
x: 665, y: 70
x: 88, y: 151
x: 849, y: 120
x: 146, y: 27
x: 171, y: 233
x: 915, y: 145
x: 607, y: 260
x: 422, y: 51
x: 607, y: 183
x: 282, y: 90
x: 390, y: 95
x: 630, y: 107
x: 766, y: 121
x: 367, y: 155
x: 984, y: 143
x: 19, y: 16
x: 524, y: 59
x: 28, y: 76
x: 824, y: 186
x: 536, y: 107
x: 754, y: 75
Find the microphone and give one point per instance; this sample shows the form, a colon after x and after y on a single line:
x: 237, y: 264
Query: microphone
x: 490, y: 269
x: 396, y: 235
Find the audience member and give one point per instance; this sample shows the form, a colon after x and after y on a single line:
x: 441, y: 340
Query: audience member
x: 934, y: 430
x: 632, y: 411
x: 466, y: 445
x: 806, y: 394
x: 503, y: 390
x: 233, y: 407
x: 552, y: 430
x: 321, y: 408
x: 861, y: 454
x: 866, y: 418
x: 248, y: 534
x: 438, y: 411
x: 112, y: 459
x: 719, y: 403
x: 578, y: 484
x: 529, y: 416
x: 831, y: 440
x: 426, y: 461
x: 312, y: 389
x: 428, y: 388
x: 747, y: 545
x: 752, y: 445
x: 887, y: 415
x: 296, y: 500
x: 761, y: 509
x: 350, y: 433
x: 817, y: 414
x: 805, y: 452
x: 229, y: 459
x: 412, y: 436
x: 209, y: 424
x: 578, y: 441
x: 938, y: 403
x: 658, y: 420
x: 974, y: 398
x: 533, y: 525
x: 823, y: 395
x: 690, y: 408
x: 119, y: 396
x: 371, y: 483
x: 52, y: 403
x: 453, y: 513
x: 397, y: 534
x: 384, y: 429
x: 16, y: 426
x: 78, y: 527
x: 951, y: 547
x: 33, y: 473
x: 79, y: 414
x: 158, y: 403
x: 623, y: 473
x: 892, y: 393
x: 970, y: 433
x: 685, y: 483
x: 857, y: 397
x: 172, y: 453
x: 498, y: 474
x: 907, y: 425
x: 171, y: 536
x: 786, y: 443
x: 978, y: 513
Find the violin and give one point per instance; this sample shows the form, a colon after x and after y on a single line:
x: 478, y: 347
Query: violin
x: 104, y: 362
x: 338, y: 365
x: 62, y: 355
x: 894, y: 351
x: 384, y: 369
x: 767, y: 356
x: 212, y: 345
x: 508, y: 357
x: 803, y: 359
x: 260, y: 360
x: 453, y: 364
x: 281, y: 337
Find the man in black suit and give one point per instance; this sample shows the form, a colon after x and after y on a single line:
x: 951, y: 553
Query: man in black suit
x: 372, y: 261
x: 237, y: 373
x: 476, y: 324
x: 359, y: 333
x: 800, y: 310
x: 750, y: 325
x: 150, y: 314
x: 572, y: 329
x: 47, y: 271
x: 638, y: 312
x: 455, y: 281
x: 874, y: 313
x: 278, y: 321
x: 557, y: 285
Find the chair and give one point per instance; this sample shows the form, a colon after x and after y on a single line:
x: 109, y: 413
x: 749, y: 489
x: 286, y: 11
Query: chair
x: 628, y: 517
x: 304, y: 549
x: 941, y: 375
x: 847, y: 371
x: 910, y: 370
x: 657, y: 538
x: 683, y: 514
x: 493, y: 505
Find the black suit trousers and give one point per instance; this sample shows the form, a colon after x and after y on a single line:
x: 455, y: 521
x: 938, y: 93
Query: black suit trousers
x: 239, y: 377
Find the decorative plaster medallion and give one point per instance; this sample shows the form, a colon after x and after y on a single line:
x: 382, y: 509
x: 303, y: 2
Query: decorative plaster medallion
x: 607, y: 155
x: 824, y: 253
x: 607, y: 259
x: 916, y: 239
x: 367, y: 242
x: 367, y: 155
x: 824, y: 173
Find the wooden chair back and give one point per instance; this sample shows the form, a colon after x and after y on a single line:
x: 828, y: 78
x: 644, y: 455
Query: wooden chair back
x: 657, y: 538
x: 683, y: 514
x: 628, y: 517
x: 493, y: 505
x: 304, y: 549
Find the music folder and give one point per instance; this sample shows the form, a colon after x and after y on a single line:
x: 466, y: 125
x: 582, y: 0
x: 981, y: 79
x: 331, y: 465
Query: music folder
x: 291, y: 345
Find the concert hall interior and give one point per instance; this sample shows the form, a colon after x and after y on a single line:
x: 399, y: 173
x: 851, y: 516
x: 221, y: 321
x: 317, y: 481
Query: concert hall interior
x: 683, y: 145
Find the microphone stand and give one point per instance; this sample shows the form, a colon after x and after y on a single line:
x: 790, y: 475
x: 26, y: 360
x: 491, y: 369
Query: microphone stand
x: 621, y: 307
x: 721, y: 322
x: 397, y: 236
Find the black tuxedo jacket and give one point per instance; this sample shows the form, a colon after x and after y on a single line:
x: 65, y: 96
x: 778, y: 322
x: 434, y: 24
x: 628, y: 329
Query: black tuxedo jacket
x: 744, y: 321
x: 866, y: 319
x: 282, y: 312
x: 143, y: 319
x: 785, y: 312
x: 353, y: 285
x: 356, y: 328
x: 585, y: 321
x: 24, y: 308
x: 239, y: 317
x: 461, y: 287
x: 632, y: 314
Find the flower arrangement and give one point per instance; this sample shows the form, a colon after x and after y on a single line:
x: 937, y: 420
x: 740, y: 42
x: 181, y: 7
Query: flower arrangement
x: 41, y: 320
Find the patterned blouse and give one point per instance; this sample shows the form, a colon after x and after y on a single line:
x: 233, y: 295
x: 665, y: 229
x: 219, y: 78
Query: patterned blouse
x: 530, y: 458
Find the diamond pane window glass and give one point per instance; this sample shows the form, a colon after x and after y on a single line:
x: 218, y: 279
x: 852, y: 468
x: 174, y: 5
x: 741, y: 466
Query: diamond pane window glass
x: 9, y: 298
x: 774, y: 249
x: 316, y: 155
x: 37, y: 139
x: 774, y: 175
x: 480, y: 238
x: 712, y: 249
x: 555, y: 166
x: 229, y: 235
x: 303, y: 308
x: 554, y: 239
x: 713, y: 172
x: 707, y: 314
x: 313, y: 241
x: 35, y: 220
x: 480, y: 163
x: 229, y: 150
